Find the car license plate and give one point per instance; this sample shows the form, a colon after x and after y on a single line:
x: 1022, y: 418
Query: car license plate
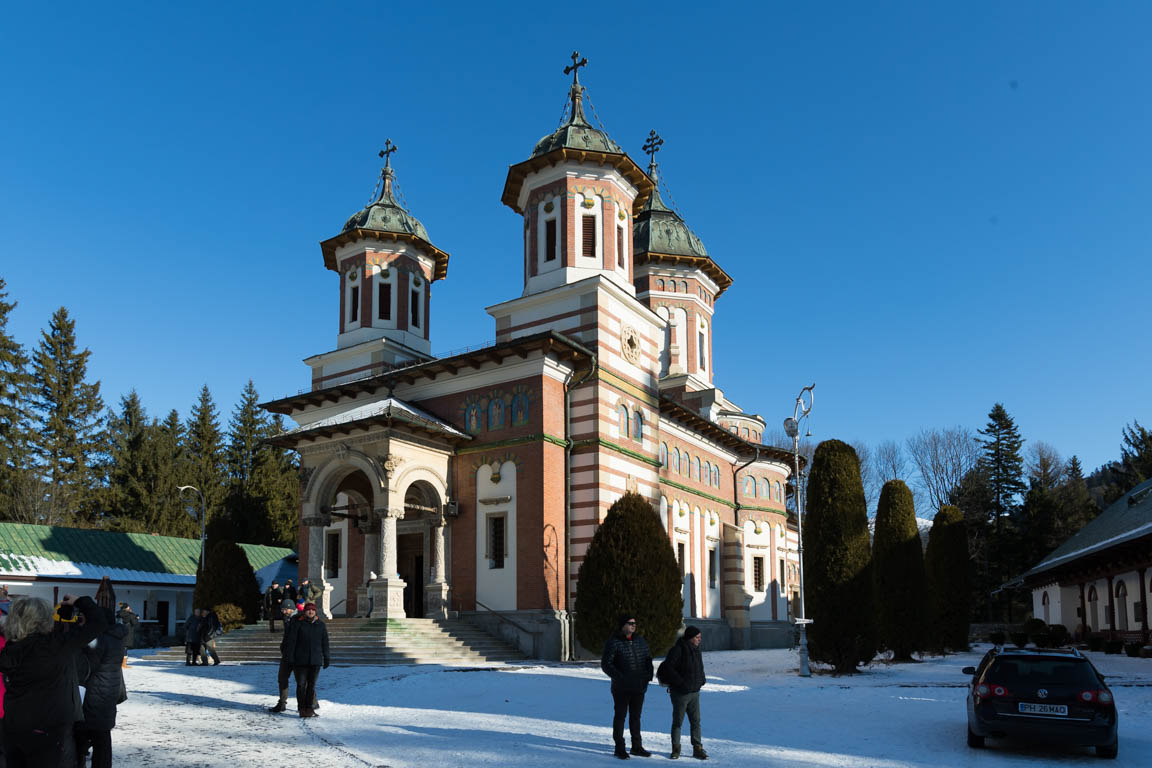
x: 1043, y: 709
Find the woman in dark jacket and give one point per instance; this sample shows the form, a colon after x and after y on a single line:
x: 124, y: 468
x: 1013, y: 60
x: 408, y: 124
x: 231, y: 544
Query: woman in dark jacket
x: 307, y: 648
x: 98, y: 670
x: 628, y: 662
x: 41, y: 700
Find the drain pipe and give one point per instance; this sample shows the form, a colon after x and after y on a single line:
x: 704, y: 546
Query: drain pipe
x: 568, y: 503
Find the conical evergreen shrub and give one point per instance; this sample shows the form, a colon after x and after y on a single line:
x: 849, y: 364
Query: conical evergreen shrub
x: 949, y: 577
x: 227, y: 579
x: 898, y: 566
x: 629, y: 568
x: 837, y: 561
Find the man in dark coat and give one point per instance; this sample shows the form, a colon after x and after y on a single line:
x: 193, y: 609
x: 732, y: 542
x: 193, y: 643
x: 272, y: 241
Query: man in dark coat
x: 98, y: 670
x: 210, y: 629
x: 683, y: 671
x: 284, y: 673
x: 192, y: 638
x: 628, y: 662
x: 290, y: 591
x: 307, y: 647
x: 275, y: 597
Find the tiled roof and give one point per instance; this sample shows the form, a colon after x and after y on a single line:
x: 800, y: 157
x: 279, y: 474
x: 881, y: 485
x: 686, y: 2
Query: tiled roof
x: 1130, y: 517
x: 80, y: 553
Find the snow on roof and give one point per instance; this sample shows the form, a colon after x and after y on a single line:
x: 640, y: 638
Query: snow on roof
x: 44, y: 567
x: 389, y: 407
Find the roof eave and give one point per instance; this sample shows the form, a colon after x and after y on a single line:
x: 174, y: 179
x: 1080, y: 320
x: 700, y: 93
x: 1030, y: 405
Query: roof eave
x: 621, y: 162
x: 328, y: 247
x: 704, y: 263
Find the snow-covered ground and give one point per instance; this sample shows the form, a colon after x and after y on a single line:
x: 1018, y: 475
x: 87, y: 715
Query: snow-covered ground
x: 755, y: 710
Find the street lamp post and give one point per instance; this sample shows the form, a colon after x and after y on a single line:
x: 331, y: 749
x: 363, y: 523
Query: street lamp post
x: 203, y: 517
x: 792, y: 428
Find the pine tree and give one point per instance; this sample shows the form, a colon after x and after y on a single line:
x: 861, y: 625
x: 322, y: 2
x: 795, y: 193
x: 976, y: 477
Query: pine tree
x: 1136, y: 455
x: 246, y: 515
x: 276, y: 486
x: 15, y: 387
x: 68, y: 438
x: 1079, y: 507
x: 948, y: 574
x: 837, y: 561
x: 204, y: 455
x: 1001, y: 461
x: 629, y: 568
x: 898, y: 564
x: 171, y: 468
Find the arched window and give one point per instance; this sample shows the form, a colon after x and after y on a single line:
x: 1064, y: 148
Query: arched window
x: 684, y: 286
x: 496, y: 413
x: 659, y: 285
x: 1044, y: 602
x: 519, y: 410
x: 676, y: 460
x: 672, y: 286
x: 472, y: 419
x: 622, y: 420
x: 779, y: 491
x: 750, y: 487
x: 699, y: 476
x: 745, y: 432
x: 663, y: 454
x: 638, y: 426
x: 1121, y: 618
x: 716, y: 476
x: 1093, y: 609
x: 688, y: 465
x: 765, y: 487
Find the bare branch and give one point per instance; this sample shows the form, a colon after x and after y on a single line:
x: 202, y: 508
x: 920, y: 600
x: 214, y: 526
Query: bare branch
x: 942, y: 457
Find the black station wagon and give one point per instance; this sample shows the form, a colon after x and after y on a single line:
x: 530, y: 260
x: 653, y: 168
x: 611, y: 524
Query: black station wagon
x: 1053, y: 696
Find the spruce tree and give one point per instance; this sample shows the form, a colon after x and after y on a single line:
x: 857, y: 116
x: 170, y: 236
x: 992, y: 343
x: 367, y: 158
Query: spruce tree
x: 276, y: 487
x: 15, y: 388
x: 204, y: 455
x: 245, y: 513
x: 171, y: 469
x: 898, y: 564
x: 128, y: 498
x: 629, y: 568
x: 1136, y: 455
x: 948, y: 573
x: 68, y: 438
x: 1001, y: 461
x: 1077, y: 503
x: 837, y: 562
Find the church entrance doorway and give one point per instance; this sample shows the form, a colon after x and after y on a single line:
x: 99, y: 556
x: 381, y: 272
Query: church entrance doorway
x: 410, y: 566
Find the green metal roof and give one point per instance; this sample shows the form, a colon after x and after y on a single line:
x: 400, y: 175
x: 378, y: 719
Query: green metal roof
x: 42, y: 550
x: 1127, y: 519
x: 577, y: 133
x: 387, y: 215
x: 659, y: 229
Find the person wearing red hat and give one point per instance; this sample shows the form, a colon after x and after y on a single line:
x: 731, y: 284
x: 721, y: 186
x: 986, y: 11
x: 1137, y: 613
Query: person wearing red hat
x: 307, y: 648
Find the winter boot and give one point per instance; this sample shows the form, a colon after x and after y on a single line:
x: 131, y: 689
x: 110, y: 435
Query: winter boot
x: 280, y: 707
x: 639, y: 751
x: 675, y: 753
x: 621, y: 752
x: 699, y: 753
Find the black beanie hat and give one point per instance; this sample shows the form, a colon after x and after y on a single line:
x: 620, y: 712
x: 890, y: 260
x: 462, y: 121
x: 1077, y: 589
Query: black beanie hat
x: 622, y: 618
x: 691, y: 632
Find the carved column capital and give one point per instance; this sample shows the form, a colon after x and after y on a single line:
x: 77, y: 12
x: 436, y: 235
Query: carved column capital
x: 394, y: 513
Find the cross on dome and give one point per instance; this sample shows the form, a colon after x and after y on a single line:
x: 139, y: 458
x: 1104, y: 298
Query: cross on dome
x: 386, y: 153
x: 574, y: 67
x: 651, y: 147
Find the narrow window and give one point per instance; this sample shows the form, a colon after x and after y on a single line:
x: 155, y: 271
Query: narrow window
x: 620, y: 247
x: 384, y: 301
x: 712, y: 569
x: 589, y: 236
x: 700, y: 350
x: 354, y: 304
x: 550, y: 240
x: 680, y: 557
x: 659, y: 285
x: 332, y: 555
x: 622, y: 421
x: 638, y: 426
x: 663, y: 454
x: 780, y: 574
x: 765, y: 488
x: 757, y: 574
x: 414, y: 306
x: 497, y: 544
x: 688, y: 465
x: 699, y: 476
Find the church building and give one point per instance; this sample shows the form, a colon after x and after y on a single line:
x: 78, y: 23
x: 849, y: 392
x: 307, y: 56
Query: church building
x: 472, y: 484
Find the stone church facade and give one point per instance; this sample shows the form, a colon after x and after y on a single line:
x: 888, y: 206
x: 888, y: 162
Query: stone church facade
x: 473, y: 483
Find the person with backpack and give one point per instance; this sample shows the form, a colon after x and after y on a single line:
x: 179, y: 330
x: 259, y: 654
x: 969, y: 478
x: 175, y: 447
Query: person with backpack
x: 210, y: 629
x: 683, y: 672
x: 628, y: 662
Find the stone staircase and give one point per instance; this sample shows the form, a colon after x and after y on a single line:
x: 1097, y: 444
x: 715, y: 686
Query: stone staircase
x: 450, y: 642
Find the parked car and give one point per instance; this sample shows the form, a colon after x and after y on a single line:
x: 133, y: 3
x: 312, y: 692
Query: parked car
x: 1055, y: 696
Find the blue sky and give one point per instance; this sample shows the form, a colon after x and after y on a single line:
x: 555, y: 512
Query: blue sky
x: 926, y: 207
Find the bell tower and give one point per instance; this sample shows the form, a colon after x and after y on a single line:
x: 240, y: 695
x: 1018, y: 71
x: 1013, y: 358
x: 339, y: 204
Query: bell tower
x: 577, y: 193
x: 386, y: 265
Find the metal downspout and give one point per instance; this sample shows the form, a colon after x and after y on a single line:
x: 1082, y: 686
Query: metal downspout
x: 568, y: 504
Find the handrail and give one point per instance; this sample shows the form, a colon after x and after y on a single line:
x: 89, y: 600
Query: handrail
x: 504, y: 618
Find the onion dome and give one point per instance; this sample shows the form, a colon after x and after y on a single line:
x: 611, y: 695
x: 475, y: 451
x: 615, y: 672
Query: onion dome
x: 385, y: 218
x: 575, y: 140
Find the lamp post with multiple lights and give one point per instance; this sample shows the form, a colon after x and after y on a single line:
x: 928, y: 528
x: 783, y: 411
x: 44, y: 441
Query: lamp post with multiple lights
x: 203, y: 517
x: 792, y: 428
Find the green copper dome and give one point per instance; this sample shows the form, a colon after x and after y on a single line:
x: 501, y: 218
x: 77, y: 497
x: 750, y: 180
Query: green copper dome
x: 659, y: 229
x: 387, y: 215
x: 577, y: 133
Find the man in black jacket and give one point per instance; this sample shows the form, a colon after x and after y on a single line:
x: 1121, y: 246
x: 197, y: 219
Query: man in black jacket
x: 683, y: 671
x: 628, y: 662
x: 192, y: 638
x: 98, y: 670
x: 306, y: 645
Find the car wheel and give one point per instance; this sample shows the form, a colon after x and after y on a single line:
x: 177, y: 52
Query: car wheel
x: 977, y: 742
x: 1108, y: 751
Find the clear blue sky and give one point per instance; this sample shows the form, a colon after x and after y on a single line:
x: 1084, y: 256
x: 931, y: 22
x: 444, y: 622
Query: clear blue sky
x: 926, y: 207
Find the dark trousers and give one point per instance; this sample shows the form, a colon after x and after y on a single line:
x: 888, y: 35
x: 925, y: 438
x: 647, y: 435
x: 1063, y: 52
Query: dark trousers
x: 272, y: 621
x: 686, y: 703
x: 191, y: 652
x: 306, y: 686
x: 627, y: 704
x: 208, y: 648
x: 99, y: 739
x: 50, y: 748
x: 283, y: 679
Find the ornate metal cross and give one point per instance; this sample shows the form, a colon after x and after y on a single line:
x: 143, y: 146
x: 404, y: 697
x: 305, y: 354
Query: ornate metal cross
x: 577, y: 62
x: 386, y: 153
x: 652, y: 145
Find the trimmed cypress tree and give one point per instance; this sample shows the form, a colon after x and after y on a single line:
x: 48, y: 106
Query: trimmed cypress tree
x: 629, y: 568
x: 898, y: 565
x: 948, y: 576
x: 227, y: 580
x: 837, y: 561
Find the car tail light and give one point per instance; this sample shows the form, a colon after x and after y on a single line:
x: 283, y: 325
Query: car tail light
x: 988, y: 690
x: 1099, y: 698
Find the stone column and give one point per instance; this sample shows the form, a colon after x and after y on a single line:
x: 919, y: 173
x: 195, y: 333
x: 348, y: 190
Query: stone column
x: 316, y: 524
x: 437, y: 602
x: 388, y: 590
x: 370, y: 526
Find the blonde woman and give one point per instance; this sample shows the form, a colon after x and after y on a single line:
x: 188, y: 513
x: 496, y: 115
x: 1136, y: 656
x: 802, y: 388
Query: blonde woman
x: 41, y: 701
